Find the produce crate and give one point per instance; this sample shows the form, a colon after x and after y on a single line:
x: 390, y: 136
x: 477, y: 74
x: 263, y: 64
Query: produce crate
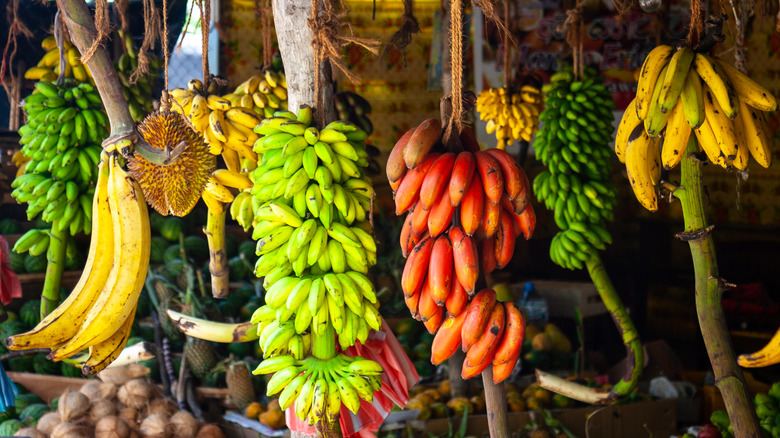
x: 563, y: 297
x: 650, y: 418
x: 711, y: 400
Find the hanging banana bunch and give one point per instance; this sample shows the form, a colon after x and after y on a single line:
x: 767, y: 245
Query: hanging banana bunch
x: 511, y: 114
x: 681, y: 92
x: 138, y: 94
x: 48, y: 67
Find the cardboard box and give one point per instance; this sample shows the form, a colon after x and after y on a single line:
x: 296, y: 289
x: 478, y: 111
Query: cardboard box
x: 651, y: 418
x: 563, y: 297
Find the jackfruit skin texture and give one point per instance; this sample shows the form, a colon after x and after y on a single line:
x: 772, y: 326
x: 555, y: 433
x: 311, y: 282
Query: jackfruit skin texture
x: 173, y: 189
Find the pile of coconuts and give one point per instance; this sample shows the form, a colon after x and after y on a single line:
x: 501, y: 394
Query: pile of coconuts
x: 134, y: 409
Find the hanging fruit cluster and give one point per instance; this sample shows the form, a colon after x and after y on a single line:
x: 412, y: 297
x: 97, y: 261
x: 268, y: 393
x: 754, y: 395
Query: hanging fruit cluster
x: 310, y: 203
x: 465, y: 210
x: 511, y: 114
x: 48, y: 68
x: 139, y: 93
x: 574, y: 145
x: 265, y: 94
x: 354, y: 108
x: 680, y: 91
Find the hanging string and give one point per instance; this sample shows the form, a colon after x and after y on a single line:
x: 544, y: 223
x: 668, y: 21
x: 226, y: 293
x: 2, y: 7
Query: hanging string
x: 507, y: 53
x: 103, y: 26
x: 489, y: 10
x: 696, y: 26
x: 165, y: 101
x: 205, y: 24
x: 121, y: 12
x: 403, y: 36
x: 456, y: 60
x: 574, y: 29
x: 151, y: 35
x: 16, y: 27
x: 739, y: 39
x: 186, y: 26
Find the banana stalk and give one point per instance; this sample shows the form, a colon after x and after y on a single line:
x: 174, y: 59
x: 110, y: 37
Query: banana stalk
x: 218, y: 266
x: 323, y: 346
x: 50, y: 296
x: 728, y: 376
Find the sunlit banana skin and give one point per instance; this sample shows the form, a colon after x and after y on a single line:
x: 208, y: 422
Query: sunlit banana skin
x: 213, y: 331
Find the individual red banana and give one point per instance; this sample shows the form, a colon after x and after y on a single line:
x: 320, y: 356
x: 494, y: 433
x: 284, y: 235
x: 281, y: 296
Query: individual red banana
x: 528, y: 222
x: 436, y: 180
x: 416, y: 267
x: 440, y: 270
x: 409, y: 190
x: 509, y: 170
x: 472, y: 207
x: 441, y: 214
x: 419, y: 219
x: 413, y: 303
x: 427, y: 307
x: 434, y: 322
x: 407, y: 244
x: 491, y: 218
x: 457, y: 300
x: 502, y: 372
x: 490, y: 173
x: 521, y: 201
x: 487, y: 255
x: 396, y: 166
x: 447, y: 339
x: 466, y: 260
x: 508, y: 208
x: 477, y: 315
x: 505, y: 242
x: 421, y: 142
x: 481, y: 352
x: 510, y: 345
x: 462, y: 174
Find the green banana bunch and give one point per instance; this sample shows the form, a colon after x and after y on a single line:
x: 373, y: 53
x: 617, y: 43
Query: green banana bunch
x: 574, y: 144
x: 355, y: 108
x: 65, y: 126
x: 139, y: 94
x: 319, y: 387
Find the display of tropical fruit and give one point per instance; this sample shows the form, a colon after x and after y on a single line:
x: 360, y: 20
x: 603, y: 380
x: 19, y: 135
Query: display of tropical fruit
x: 65, y: 127
x: 138, y: 93
x: 311, y: 201
x: 574, y: 146
x: 489, y: 192
x: 512, y: 114
x: 48, y: 67
x: 99, y: 312
x: 682, y: 91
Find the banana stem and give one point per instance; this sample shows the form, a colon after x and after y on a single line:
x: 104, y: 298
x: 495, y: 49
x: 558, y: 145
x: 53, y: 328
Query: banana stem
x: 728, y: 376
x: 218, y: 266
x: 323, y: 345
x: 50, y: 296
x: 617, y: 310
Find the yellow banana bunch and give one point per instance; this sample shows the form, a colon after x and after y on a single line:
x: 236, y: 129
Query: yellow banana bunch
x: 510, y: 114
x: 680, y: 92
x: 20, y: 161
x: 48, y: 68
x: 264, y: 94
x: 99, y: 312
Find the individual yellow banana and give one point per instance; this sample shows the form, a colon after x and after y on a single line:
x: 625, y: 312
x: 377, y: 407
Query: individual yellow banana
x: 768, y: 355
x: 676, y: 137
x: 655, y: 62
x: 64, y: 322
x: 721, y: 88
x: 104, y: 353
x: 756, y: 134
x: 692, y: 98
x: 674, y: 81
x: 709, y: 144
x: 656, y: 120
x: 748, y: 90
x: 232, y: 179
x: 132, y: 245
x: 217, y: 125
x: 639, y: 172
x: 721, y: 125
x: 218, y: 191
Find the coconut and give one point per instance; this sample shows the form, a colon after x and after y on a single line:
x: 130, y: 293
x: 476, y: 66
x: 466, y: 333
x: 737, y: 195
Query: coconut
x: 48, y: 422
x: 154, y: 426
x: 161, y: 406
x: 135, y: 394
x: 210, y: 431
x: 184, y: 425
x: 101, y: 408
x: 111, y: 427
x: 108, y: 391
x: 72, y: 405
x: 30, y: 432
x: 129, y: 415
x: 92, y: 390
x: 70, y: 430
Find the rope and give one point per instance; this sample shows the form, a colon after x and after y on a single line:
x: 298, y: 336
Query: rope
x: 121, y: 12
x: 456, y: 60
x: 205, y: 24
x: 574, y: 30
x: 695, y: 28
x: 165, y: 101
x: 103, y: 26
x: 16, y: 27
x: 152, y: 29
x: 186, y: 26
x: 403, y: 36
x: 489, y: 10
x: 507, y: 55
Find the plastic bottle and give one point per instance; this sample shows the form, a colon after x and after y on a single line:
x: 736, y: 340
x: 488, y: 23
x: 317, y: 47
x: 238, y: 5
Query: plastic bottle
x: 533, y: 305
